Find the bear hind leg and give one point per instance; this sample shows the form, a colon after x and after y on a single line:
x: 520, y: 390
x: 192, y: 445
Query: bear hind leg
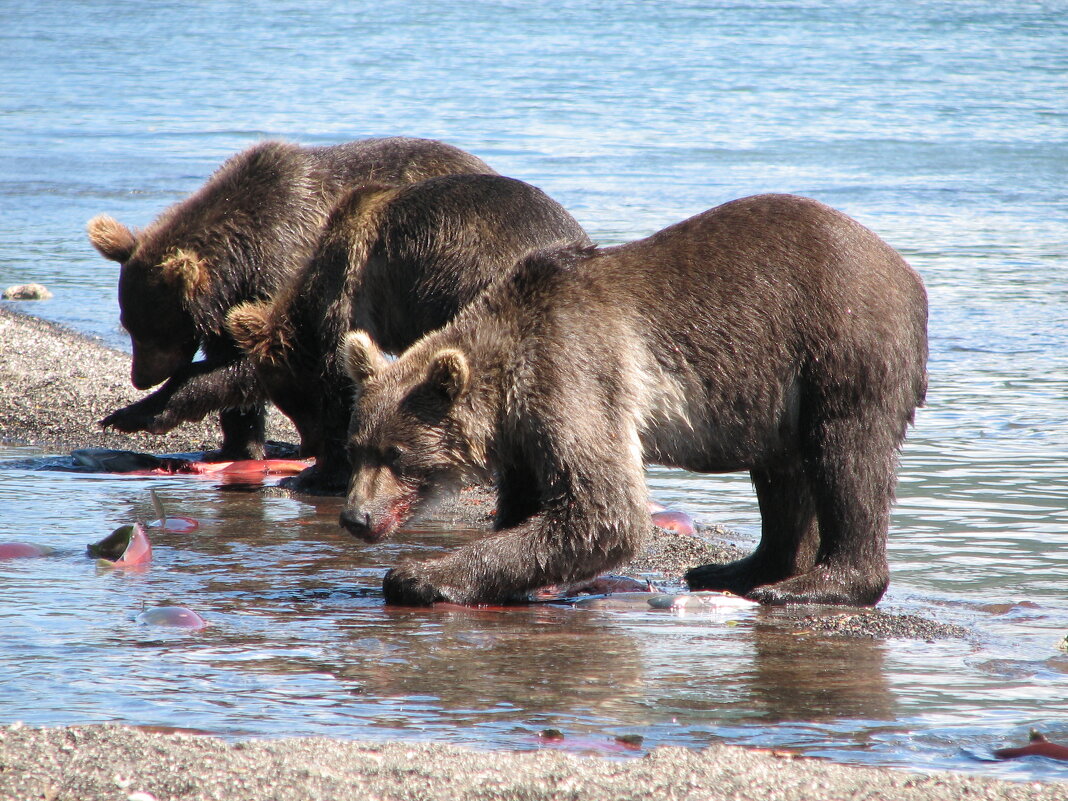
x: 852, y: 479
x: 789, y: 536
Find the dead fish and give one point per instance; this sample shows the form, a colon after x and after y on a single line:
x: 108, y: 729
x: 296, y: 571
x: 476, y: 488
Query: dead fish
x: 176, y: 524
x: 590, y: 745
x: 22, y: 550
x: 610, y: 583
x: 617, y: 602
x: 179, y: 524
x: 674, y: 521
x: 700, y: 600
x: 1038, y: 746
x: 125, y: 546
x: 109, y: 460
x: 106, y: 460
x: 179, y: 617
x: 248, y: 469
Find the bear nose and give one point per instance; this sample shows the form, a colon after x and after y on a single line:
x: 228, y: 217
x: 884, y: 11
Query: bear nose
x: 356, y: 523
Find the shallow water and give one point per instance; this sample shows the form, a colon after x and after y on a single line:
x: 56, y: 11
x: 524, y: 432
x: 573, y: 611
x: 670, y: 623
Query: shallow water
x: 941, y: 126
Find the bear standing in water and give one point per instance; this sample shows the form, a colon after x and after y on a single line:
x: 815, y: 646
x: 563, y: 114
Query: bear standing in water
x: 398, y: 262
x: 255, y: 222
x: 771, y: 334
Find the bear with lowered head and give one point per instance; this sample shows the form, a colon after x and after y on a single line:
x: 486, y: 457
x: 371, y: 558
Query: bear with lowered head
x: 397, y: 262
x: 254, y: 223
x: 771, y: 334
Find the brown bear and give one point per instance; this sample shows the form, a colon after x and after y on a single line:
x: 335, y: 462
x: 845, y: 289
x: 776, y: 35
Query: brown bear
x: 255, y: 222
x: 771, y: 334
x: 398, y: 262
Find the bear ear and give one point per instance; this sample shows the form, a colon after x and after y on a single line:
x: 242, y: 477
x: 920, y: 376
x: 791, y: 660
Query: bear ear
x: 188, y: 270
x: 113, y: 239
x: 361, y: 356
x: 448, y: 373
x: 262, y: 338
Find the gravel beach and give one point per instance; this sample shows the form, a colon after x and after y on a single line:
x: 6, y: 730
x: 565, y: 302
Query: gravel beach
x: 55, y: 384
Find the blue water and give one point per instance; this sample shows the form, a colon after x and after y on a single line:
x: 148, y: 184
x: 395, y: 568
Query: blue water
x: 942, y: 126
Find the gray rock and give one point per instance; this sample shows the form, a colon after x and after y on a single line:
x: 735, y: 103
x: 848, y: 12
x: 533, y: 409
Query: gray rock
x: 27, y: 292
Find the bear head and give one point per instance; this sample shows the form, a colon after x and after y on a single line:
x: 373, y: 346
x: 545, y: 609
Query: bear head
x: 155, y: 288
x: 412, y: 432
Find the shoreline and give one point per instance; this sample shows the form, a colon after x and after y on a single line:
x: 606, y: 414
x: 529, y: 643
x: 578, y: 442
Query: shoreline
x: 56, y: 383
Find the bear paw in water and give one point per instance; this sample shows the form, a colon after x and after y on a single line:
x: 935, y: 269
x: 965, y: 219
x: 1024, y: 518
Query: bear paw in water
x: 408, y: 585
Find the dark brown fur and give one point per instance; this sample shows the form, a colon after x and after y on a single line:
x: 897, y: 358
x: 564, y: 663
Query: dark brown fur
x: 771, y: 334
x: 398, y: 262
x: 254, y: 223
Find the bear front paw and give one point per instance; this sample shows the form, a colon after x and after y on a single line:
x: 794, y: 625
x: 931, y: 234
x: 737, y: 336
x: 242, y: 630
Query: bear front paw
x: 313, y: 481
x: 131, y: 421
x: 407, y: 586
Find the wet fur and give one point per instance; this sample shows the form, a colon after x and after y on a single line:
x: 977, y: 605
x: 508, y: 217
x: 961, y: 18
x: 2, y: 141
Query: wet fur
x: 771, y: 334
x: 252, y: 225
x: 397, y: 262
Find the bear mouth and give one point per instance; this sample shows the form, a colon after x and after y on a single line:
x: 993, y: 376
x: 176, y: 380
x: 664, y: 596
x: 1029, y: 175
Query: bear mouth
x: 396, y: 515
x: 387, y: 524
x: 378, y: 526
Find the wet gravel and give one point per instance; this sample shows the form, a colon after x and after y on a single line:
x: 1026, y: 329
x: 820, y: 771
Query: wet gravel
x: 880, y: 624
x: 668, y: 554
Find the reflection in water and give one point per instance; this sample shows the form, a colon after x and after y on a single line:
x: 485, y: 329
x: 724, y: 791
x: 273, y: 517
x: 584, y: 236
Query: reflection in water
x: 300, y: 642
x: 799, y: 677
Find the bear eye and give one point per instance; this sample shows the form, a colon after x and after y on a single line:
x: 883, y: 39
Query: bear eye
x: 392, y: 455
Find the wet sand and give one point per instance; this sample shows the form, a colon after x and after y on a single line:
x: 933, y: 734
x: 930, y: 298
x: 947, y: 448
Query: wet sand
x: 55, y: 384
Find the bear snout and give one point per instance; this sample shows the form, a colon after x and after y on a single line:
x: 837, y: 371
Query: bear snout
x: 143, y: 377
x: 358, y: 524
x: 152, y: 365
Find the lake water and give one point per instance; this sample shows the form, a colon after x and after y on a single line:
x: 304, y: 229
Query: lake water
x: 942, y: 126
